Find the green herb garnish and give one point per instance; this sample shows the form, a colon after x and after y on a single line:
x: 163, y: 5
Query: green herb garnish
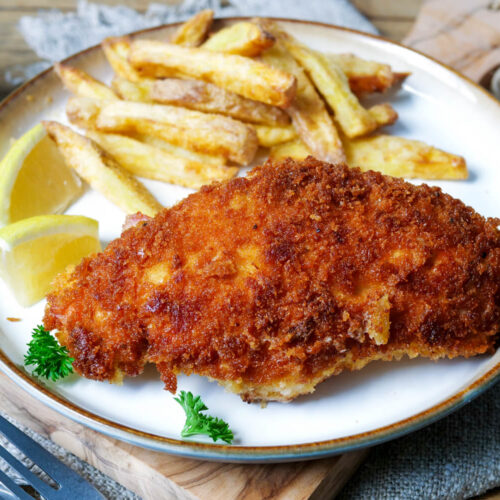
x: 199, y: 423
x: 51, y: 359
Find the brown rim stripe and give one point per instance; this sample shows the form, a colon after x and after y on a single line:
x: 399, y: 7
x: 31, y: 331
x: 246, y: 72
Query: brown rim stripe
x: 254, y: 453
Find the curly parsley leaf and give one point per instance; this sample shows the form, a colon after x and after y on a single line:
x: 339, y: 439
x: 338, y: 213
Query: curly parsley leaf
x: 51, y: 359
x: 200, y: 423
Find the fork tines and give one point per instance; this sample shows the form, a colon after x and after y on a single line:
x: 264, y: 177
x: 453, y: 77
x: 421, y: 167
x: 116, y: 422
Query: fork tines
x: 68, y: 483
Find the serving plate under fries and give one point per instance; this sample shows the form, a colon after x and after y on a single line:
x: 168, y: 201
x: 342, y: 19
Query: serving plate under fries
x: 380, y: 402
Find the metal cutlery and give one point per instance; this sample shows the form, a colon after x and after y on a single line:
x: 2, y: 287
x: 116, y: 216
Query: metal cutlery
x: 68, y: 483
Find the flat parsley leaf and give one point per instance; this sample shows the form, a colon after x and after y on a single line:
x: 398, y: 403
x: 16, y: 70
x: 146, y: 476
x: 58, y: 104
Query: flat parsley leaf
x: 200, y: 423
x: 51, y: 359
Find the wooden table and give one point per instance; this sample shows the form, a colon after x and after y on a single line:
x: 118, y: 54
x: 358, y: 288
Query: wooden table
x: 393, y: 18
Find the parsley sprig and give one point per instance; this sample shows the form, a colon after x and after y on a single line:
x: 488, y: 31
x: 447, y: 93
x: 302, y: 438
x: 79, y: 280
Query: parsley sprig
x: 200, y: 423
x: 51, y: 359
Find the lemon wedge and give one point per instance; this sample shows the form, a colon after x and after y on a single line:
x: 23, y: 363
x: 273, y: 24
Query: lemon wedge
x: 34, y: 250
x: 34, y: 178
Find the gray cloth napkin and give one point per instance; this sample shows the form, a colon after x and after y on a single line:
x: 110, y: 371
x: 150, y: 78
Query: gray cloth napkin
x: 455, y: 458
x: 458, y: 457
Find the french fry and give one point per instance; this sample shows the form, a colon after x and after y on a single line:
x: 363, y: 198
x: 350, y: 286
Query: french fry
x: 85, y: 113
x: 138, y: 91
x: 384, y: 114
x: 295, y: 149
x: 101, y: 171
x: 199, y: 96
x: 308, y: 112
x: 116, y: 50
x: 270, y: 136
x: 333, y: 85
x: 331, y: 82
x: 206, y: 97
x: 82, y: 84
x: 243, y: 38
x: 213, y: 134
x: 391, y: 155
x: 181, y: 152
x: 401, y: 157
x: 150, y: 162
x: 366, y: 76
x: 194, y: 31
x: 241, y: 75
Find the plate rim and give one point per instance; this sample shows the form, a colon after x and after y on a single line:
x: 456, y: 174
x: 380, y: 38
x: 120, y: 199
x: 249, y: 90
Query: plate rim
x: 239, y: 453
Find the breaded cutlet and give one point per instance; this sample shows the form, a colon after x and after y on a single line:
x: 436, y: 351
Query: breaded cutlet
x: 273, y: 282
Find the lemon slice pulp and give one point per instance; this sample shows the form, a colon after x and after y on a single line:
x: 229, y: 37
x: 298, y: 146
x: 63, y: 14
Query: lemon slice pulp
x: 34, y: 250
x: 34, y: 178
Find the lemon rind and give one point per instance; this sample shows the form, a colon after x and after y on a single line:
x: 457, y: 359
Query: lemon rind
x: 16, y: 155
x: 46, y: 225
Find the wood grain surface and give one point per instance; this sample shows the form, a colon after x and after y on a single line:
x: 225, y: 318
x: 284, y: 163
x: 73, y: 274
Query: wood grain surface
x: 464, y: 34
x: 393, y: 18
x: 155, y: 475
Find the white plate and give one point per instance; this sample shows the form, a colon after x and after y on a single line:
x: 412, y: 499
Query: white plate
x: 351, y: 410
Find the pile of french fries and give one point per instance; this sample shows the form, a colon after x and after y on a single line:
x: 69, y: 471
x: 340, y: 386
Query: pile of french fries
x: 196, y: 108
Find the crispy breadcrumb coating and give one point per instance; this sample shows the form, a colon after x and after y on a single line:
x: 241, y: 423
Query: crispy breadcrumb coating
x: 272, y: 282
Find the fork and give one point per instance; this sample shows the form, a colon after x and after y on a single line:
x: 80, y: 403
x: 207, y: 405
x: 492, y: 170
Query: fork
x: 68, y: 483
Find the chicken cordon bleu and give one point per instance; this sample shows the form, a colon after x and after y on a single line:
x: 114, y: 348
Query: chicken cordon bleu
x: 273, y: 282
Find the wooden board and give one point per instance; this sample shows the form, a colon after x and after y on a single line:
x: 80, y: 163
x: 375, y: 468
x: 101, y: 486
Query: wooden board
x: 393, y: 19
x: 155, y: 475
x: 464, y: 34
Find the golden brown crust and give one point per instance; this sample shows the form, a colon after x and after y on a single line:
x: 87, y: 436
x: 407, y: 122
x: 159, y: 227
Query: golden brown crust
x: 272, y: 282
